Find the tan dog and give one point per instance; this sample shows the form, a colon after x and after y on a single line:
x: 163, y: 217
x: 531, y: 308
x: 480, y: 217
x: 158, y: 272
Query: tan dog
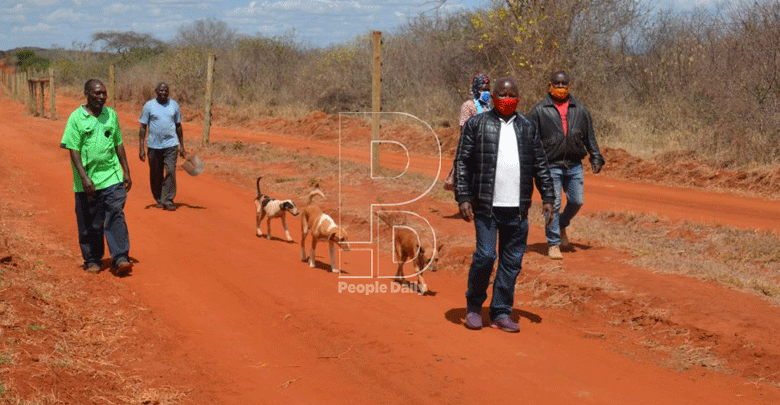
x: 406, y: 245
x: 320, y: 226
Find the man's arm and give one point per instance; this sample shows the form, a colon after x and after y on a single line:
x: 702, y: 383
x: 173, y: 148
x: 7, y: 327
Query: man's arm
x: 75, y: 158
x: 180, y: 135
x: 120, y: 152
x: 596, y: 160
x: 141, y: 143
x: 542, y: 177
x: 463, y: 171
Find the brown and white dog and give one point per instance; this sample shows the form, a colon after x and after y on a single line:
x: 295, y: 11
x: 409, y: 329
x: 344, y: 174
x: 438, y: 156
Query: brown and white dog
x: 267, y: 207
x: 406, y: 246
x: 320, y: 226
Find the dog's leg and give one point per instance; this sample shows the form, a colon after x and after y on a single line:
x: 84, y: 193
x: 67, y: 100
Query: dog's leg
x: 304, y: 229
x: 286, y: 231
x: 333, y: 267
x: 268, y: 226
x: 312, y: 259
x: 399, y: 275
x: 421, y: 286
x: 260, y: 216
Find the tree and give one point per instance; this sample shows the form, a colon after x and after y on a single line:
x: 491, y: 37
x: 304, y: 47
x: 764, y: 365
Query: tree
x: 26, y: 59
x: 206, y: 34
x: 122, y: 42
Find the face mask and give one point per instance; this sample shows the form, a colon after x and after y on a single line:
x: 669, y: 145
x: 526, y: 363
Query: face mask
x: 484, y: 96
x: 506, y: 106
x: 559, y: 93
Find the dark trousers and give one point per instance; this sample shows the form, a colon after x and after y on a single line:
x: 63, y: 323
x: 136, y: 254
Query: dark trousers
x: 103, y: 214
x: 512, y: 232
x: 162, y: 174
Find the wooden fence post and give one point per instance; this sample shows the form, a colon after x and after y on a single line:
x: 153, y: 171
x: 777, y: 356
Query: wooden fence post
x: 41, y: 102
x: 376, y: 101
x: 209, y: 91
x: 30, y: 101
x: 52, y: 108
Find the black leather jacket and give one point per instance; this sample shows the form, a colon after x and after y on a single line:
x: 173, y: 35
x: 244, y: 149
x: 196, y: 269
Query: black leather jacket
x: 566, y: 150
x: 475, y: 163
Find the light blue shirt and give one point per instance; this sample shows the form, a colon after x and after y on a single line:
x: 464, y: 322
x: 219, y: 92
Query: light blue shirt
x: 161, y: 120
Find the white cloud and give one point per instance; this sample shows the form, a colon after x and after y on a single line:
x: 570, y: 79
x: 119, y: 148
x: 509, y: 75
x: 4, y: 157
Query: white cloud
x: 305, y: 6
x: 117, y: 8
x: 42, y: 3
x: 12, y: 18
x: 32, y: 29
x: 64, y: 15
x: 17, y: 9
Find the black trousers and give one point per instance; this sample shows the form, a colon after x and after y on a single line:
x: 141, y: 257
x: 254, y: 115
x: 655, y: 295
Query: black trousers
x: 162, y: 174
x: 99, y: 216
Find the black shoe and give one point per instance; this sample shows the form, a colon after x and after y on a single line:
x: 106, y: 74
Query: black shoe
x: 170, y: 207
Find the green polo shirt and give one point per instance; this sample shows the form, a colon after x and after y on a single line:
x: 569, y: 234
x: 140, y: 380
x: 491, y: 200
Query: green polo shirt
x: 96, y: 138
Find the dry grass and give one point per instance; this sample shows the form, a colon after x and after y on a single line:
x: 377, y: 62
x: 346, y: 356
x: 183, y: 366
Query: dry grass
x: 743, y: 259
x: 61, y: 342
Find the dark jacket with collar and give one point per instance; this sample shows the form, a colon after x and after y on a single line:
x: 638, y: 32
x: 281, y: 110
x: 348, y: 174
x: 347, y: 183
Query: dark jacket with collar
x: 566, y: 150
x: 475, y: 162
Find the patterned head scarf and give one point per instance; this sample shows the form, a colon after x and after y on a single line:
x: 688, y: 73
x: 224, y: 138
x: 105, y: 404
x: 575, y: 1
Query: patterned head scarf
x: 477, y: 82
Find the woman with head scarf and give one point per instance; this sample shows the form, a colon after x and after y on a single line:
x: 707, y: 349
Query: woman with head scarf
x: 479, y: 103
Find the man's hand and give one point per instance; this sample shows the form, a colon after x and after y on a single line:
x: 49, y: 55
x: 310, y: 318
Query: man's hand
x: 128, y: 182
x: 465, y: 211
x: 141, y: 154
x: 89, y: 187
x: 596, y: 167
x: 547, y: 211
x: 182, y: 153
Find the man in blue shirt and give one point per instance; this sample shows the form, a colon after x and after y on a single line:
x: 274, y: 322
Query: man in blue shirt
x: 162, y: 118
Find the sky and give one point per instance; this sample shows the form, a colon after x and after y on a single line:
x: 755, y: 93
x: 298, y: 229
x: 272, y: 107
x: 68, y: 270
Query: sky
x: 63, y: 23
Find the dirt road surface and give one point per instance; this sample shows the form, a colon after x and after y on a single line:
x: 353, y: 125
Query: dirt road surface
x: 255, y: 325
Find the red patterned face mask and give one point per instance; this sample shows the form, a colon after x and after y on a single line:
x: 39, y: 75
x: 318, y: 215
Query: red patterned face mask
x: 506, y: 106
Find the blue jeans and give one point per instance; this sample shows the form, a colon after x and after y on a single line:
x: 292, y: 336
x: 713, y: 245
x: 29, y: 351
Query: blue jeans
x: 103, y: 214
x: 570, y: 181
x: 512, y: 232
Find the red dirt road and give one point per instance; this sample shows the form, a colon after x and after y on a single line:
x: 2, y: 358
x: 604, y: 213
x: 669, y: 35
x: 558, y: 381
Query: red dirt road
x: 264, y: 328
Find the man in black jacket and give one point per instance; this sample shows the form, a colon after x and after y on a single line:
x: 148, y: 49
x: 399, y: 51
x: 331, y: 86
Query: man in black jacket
x: 566, y: 129
x: 499, y: 156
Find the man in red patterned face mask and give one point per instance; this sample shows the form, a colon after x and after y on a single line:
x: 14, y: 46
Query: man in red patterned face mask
x: 499, y: 156
x: 566, y: 129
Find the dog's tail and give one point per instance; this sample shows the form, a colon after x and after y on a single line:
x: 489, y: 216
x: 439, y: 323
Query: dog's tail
x: 314, y: 193
x: 391, y: 220
x: 384, y: 218
x: 259, y: 194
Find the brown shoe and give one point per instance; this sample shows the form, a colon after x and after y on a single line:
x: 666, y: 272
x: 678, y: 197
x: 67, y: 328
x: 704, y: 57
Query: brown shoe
x: 92, y: 268
x: 554, y: 252
x: 564, y: 238
x: 123, y: 267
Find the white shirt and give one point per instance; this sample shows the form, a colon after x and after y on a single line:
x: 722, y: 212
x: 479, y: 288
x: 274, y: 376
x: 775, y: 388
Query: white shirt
x: 507, y: 184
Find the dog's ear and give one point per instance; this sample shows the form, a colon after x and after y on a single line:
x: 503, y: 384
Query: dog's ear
x: 288, y: 205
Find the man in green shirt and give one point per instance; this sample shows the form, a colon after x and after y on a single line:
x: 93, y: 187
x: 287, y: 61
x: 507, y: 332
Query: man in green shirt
x: 101, y: 180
